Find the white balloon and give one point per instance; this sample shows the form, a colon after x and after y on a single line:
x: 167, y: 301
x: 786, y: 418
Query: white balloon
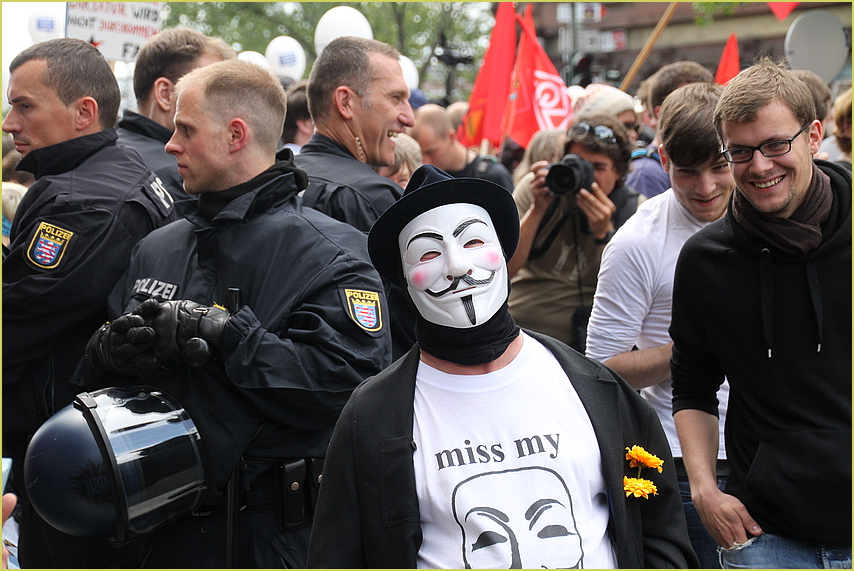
x: 254, y: 57
x: 816, y: 41
x: 286, y: 57
x: 410, y: 72
x: 43, y: 26
x: 341, y: 21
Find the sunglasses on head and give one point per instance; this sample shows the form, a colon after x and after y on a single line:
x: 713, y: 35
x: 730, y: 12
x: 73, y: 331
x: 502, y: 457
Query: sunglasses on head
x: 601, y: 132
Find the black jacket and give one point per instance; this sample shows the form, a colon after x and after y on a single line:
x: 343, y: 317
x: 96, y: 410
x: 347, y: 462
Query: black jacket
x: 493, y: 171
x: 149, y: 138
x: 779, y: 327
x: 291, y: 355
x: 71, y: 241
x: 367, y: 512
x: 352, y: 192
x: 343, y: 187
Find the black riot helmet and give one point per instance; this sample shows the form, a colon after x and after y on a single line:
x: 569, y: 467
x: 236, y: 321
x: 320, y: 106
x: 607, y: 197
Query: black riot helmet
x: 115, y: 463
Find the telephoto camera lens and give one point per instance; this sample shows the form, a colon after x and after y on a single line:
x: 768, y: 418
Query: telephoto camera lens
x: 569, y: 176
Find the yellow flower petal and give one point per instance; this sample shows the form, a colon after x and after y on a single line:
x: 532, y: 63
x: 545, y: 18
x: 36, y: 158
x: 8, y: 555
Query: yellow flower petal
x: 639, y: 487
x: 637, y: 456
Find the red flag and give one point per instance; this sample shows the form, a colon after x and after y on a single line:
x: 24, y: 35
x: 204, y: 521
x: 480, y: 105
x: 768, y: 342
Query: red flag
x: 782, y: 9
x: 538, y: 98
x: 730, y: 63
x: 492, y: 86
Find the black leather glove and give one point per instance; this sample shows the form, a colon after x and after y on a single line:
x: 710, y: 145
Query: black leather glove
x: 185, y: 329
x: 125, y: 346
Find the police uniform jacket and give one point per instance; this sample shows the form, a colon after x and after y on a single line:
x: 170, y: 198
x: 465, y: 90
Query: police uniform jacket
x: 311, y: 323
x: 342, y: 186
x: 367, y: 511
x: 71, y: 241
x: 352, y: 192
x: 149, y: 138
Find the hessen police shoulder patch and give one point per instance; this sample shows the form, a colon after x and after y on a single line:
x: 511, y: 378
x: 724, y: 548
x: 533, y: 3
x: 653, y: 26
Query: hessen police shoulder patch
x: 48, y: 245
x: 365, y: 309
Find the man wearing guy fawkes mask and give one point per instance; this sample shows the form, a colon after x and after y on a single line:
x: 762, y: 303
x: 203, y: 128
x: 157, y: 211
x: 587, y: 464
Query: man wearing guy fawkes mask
x: 480, y: 405
x: 456, y: 277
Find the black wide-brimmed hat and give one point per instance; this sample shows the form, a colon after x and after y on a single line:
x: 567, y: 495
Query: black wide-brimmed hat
x: 429, y: 188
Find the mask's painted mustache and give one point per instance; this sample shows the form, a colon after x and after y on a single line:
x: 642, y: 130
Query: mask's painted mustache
x: 465, y: 278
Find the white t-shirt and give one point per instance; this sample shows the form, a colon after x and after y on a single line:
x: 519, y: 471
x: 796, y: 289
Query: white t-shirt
x: 508, y: 470
x: 634, y: 294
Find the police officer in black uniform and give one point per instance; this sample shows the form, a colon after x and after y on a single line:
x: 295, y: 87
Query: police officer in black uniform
x: 359, y: 101
x: 264, y: 377
x: 161, y: 61
x: 71, y: 241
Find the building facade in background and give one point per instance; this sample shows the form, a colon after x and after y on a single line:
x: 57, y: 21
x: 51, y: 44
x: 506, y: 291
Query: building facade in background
x: 612, y: 34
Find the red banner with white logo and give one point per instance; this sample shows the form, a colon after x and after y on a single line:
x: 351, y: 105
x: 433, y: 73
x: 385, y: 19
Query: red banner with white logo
x: 492, y: 86
x: 538, y: 98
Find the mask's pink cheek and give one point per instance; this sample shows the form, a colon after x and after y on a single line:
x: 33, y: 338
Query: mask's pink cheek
x: 495, y: 258
x: 490, y: 258
x: 418, y: 279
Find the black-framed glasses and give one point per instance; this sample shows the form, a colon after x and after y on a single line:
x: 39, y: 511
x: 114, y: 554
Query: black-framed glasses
x: 601, y: 132
x: 769, y: 149
x: 632, y: 126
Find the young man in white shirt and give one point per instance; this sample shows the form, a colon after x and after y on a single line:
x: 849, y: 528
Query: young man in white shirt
x: 628, y: 328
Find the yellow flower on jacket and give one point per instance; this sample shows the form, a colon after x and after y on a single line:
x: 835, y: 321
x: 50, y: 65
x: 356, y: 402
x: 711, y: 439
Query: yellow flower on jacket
x: 637, y: 456
x: 639, y: 487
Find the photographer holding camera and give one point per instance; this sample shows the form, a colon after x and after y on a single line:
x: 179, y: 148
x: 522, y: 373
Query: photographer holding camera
x: 568, y: 212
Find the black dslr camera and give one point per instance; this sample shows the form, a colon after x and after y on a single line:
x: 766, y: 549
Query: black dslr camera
x: 569, y: 176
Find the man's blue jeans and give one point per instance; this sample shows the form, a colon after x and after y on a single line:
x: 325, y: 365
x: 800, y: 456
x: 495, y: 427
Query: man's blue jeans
x: 704, y: 546
x: 775, y: 552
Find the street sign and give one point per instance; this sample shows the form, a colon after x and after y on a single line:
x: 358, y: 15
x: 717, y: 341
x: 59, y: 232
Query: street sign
x: 589, y: 41
x: 589, y: 12
x: 597, y: 41
x: 564, y: 13
x: 614, y: 41
x: 118, y: 29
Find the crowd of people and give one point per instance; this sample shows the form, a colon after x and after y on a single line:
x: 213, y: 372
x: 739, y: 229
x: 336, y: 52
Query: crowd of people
x: 629, y: 346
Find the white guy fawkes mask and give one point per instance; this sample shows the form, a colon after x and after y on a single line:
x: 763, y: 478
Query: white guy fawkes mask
x: 454, y: 265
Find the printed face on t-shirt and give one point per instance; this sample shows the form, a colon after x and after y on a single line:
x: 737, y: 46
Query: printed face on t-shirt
x: 517, y: 519
x: 454, y: 265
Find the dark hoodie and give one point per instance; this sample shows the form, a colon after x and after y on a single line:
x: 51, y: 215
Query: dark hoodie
x: 779, y: 327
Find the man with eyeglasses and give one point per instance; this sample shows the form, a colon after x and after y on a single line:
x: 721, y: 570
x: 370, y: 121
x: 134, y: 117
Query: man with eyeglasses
x: 763, y: 296
x: 563, y: 233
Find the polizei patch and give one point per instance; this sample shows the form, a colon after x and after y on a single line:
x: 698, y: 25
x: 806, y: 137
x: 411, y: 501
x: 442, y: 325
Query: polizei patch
x: 365, y: 309
x: 48, y: 245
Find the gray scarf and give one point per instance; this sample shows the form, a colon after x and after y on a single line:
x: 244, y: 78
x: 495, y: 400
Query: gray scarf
x: 798, y: 234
